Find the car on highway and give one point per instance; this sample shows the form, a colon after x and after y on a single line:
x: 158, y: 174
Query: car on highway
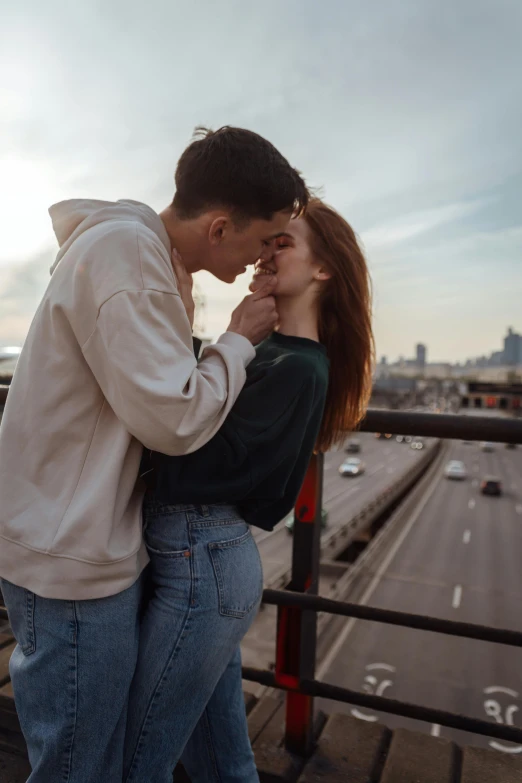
x: 455, y: 469
x: 511, y: 445
x: 290, y: 520
x: 352, y: 467
x: 417, y: 443
x: 353, y: 446
x: 383, y: 435
x: 491, y: 485
x: 487, y: 446
x: 403, y: 438
x: 467, y: 443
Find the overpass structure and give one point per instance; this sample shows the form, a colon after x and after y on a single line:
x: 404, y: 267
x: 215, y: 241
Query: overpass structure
x: 359, y: 701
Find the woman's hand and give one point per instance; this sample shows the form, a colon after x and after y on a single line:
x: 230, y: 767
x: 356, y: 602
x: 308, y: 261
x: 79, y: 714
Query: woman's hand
x: 185, y: 283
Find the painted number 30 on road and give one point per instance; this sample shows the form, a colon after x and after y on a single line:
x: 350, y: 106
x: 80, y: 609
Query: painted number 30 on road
x: 499, y: 706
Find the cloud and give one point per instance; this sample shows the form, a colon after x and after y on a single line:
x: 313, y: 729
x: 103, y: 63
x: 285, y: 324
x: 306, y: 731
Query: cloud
x: 409, y: 117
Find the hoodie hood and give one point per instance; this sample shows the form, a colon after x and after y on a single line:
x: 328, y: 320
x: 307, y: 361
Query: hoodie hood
x: 71, y: 218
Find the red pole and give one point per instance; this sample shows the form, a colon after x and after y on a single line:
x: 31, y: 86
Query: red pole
x: 297, y: 629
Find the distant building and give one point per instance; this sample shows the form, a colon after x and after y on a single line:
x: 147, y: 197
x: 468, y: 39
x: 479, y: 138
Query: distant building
x: 420, y: 355
x: 512, y: 353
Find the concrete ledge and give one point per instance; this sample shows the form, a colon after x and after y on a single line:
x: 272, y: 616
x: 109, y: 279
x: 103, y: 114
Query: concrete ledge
x: 348, y: 750
x: 419, y: 758
x: 480, y: 765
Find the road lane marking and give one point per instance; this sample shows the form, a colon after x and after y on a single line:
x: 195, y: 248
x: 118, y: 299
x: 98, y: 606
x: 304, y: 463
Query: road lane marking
x: 435, y: 730
x: 457, y: 596
x: 341, y: 639
x: 362, y: 715
x: 471, y: 503
x: 466, y: 537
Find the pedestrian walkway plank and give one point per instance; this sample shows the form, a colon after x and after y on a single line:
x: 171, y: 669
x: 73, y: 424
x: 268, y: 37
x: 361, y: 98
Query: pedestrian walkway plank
x: 420, y: 758
x: 5, y: 655
x: 480, y: 765
x: 348, y: 750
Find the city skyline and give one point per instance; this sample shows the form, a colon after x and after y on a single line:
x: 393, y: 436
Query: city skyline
x: 395, y: 117
x: 491, y: 358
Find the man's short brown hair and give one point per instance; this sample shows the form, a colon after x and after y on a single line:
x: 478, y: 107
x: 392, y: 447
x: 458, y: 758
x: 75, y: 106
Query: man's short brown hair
x: 239, y: 170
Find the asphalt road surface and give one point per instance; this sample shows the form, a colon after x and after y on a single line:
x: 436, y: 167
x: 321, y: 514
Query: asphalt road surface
x: 385, y: 460
x: 460, y: 558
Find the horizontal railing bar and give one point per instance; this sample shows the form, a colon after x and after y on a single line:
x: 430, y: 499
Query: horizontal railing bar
x: 390, y: 617
x: 443, y: 425
x: 391, y: 706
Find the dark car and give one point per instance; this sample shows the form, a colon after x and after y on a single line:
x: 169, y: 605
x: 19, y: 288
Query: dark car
x: 491, y: 485
x: 353, y: 447
x: 511, y: 445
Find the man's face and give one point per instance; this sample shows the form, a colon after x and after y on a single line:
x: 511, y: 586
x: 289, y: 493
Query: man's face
x: 232, y: 249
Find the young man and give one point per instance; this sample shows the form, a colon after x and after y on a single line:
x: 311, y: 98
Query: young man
x: 108, y: 366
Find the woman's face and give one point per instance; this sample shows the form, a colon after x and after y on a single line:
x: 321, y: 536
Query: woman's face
x: 293, y: 262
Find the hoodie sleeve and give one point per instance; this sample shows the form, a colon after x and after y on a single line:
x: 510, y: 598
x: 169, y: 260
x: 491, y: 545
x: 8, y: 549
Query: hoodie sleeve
x: 141, y: 354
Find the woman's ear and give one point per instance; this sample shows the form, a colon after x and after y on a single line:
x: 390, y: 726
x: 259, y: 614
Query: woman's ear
x: 321, y: 273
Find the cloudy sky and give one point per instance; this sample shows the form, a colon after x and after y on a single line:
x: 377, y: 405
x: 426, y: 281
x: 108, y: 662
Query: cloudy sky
x: 408, y: 114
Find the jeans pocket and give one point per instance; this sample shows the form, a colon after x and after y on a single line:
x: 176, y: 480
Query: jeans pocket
x: 239, y: 574
x: 20, y: 603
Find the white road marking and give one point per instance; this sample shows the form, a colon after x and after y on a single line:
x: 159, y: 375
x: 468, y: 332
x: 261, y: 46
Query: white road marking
x: 466, y: 537
x: 341, y: 639
x: 372, y: 666
x: 501, y: 689
x: 457, y: 596
x: 362, y: 716
x: 518, y: 508
x: 435, y: 730
x: 471, y: 503
x: 504, y: 748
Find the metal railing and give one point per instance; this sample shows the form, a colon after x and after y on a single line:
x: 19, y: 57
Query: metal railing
x: 298, y: 605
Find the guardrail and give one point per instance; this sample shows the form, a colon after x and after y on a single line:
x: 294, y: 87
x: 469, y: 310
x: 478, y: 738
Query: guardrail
x: 299, y: 604
x: 338, y: 539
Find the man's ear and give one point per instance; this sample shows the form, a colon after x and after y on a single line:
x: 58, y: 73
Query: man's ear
x: 217, y: 230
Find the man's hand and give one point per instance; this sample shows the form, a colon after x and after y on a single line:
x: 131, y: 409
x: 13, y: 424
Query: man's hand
x: 256, y: 316
x: 185, y: 283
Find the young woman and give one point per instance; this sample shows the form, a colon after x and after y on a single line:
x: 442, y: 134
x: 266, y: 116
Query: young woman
x: 306, y: 388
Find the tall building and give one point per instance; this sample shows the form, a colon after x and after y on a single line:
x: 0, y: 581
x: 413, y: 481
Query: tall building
x: 420, y: 354
x: 512, y: 353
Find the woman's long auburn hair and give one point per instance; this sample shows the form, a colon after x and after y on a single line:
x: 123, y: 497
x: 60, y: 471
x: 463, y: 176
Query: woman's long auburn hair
x: 345, y: 321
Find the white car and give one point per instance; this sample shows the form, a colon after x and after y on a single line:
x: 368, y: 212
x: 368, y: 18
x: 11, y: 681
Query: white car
x: 455, y: 469
x: 486, y: 446
x: 352, y: 467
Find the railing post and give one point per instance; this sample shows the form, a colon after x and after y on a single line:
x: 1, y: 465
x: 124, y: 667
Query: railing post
x: 297, y: 629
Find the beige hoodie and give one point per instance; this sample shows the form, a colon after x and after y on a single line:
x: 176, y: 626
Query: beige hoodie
x: 107, y: 366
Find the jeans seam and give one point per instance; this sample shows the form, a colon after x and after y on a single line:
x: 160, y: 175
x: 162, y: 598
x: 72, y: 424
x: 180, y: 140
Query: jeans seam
x: 148, y: 716
x: 210, y: 746
x: 30, y: 647
x: 68, y: 764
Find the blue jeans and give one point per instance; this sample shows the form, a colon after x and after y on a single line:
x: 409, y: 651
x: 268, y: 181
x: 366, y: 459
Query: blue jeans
x: 71, y: 672
x: 186, y: 700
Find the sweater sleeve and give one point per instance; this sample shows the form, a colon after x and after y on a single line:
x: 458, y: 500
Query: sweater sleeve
x: 141, y: 354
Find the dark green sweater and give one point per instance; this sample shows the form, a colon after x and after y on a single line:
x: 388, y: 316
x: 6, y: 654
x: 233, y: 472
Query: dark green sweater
x: 258, y: 459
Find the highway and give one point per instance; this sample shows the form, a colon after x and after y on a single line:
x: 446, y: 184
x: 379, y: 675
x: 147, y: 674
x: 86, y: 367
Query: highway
x: 459, y: 557
x: 385, y: 460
